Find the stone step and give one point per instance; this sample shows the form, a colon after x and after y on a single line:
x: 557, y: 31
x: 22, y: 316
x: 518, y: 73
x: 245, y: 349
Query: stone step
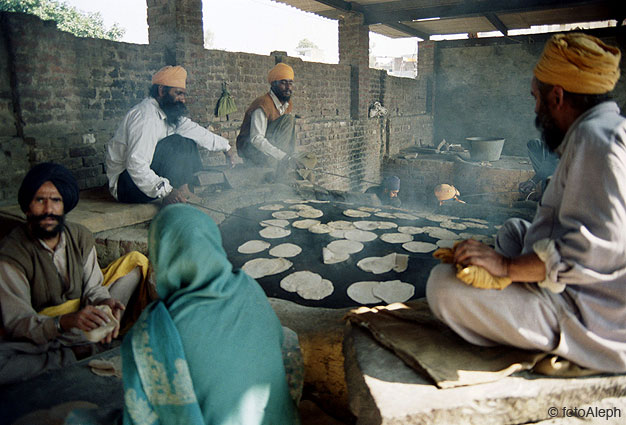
x: 384, y: 390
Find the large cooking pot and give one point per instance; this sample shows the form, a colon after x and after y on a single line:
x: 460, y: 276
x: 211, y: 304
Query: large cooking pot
x: 485, y: 148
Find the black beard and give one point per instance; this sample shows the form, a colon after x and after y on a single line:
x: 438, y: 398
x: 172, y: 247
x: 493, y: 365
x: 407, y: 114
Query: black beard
x: 551, y: 134
x: 41, y: 233
x: 174, y: 111
x: 283, y: 98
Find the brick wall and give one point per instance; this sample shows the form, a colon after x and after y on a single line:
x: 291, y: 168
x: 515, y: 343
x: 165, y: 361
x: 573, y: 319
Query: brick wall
x: 74, y: 91
x: 483, y: 88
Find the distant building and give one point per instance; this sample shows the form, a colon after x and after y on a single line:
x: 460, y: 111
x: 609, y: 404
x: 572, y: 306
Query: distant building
x: 402, y: 66
x: 310, y: 54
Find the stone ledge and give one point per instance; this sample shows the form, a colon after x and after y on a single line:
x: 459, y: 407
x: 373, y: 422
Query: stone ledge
x: 97, y: 210
x: 383, y: 390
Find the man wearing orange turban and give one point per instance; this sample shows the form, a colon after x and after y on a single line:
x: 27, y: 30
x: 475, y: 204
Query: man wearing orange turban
x: 267, y: 133
x: 154, y: 152
x: 558, y: 281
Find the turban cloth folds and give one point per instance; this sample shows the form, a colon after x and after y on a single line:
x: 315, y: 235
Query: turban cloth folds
x: 60, y: 176
x: 171, y: 76
x: 281, y: 71
x: 579, y: 63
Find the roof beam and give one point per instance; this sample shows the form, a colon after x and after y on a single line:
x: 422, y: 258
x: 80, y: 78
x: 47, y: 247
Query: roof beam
x: 409, y: 30
x: 496, y: 22
x: 404, y: 10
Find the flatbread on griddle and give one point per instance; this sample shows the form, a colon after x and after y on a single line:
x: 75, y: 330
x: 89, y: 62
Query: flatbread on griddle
x: 361, y: 292
x: 310, y: 213
x: 338, y: 234
x: 341, y: 224
x: 411, y: 230
x: 385, y: 225
x: 273, y: 232
x: 379, y: 265
x: 383, y: 214
x: 345, y: 246
x: 417, y: 246
x: 393, y: 291
x: 369, y: 209
x: 331, y: 257
x: 356, y: 213
x: 285, y: 215
x: 260, y: 267
x: 305, y: 224
x: 274, y: 222
x: 272, y: 207
x: 475, y: 225
x: 253, y: 247
x: 452, y: 225
x: 318, y: 291
x: 405, y: 216
x: 396, y: 237
x: 285, y: 250
x: 439, y: 233
x: 366, y: 225
x: 307, y: 284
x: 320, y: 228
x: 359, y: 235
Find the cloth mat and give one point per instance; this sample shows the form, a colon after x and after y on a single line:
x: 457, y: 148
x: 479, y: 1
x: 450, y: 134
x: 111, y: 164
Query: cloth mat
x: 430, y: 347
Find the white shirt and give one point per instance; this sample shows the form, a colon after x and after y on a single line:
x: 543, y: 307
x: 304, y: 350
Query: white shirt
x: 258, y: 127
x: 132, y: 147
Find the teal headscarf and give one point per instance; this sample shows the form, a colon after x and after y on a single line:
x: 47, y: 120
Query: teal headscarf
x: 209, y: 351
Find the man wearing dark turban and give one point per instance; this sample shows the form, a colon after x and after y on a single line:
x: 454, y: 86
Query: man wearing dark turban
x: 53, y: 295
x: 388, y: 191
x: 565, y: 271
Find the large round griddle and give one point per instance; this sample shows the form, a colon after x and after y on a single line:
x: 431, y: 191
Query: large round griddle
x: 243, y: 225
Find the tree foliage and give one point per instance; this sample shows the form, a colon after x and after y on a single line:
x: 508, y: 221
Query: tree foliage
x: 305, y: 43
x: 68, y: 18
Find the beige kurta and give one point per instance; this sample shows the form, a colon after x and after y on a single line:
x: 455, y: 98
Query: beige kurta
x: 583, y: 215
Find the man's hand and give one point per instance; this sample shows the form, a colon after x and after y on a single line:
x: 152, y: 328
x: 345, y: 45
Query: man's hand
x: 86, y: 319
x: 118, y: 309
x: 176, y: 196
x: 231, y: 157
x: 471, y: 252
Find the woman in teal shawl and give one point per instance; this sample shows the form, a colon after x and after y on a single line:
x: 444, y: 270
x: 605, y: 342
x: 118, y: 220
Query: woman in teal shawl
x: 209, y: 350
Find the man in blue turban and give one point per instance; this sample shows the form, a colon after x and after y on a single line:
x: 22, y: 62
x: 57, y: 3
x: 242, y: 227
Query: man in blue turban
x: 388, y: 191
x: 53, y: 294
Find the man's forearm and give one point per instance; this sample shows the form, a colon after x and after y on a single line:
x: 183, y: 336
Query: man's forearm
x: 526, y: 268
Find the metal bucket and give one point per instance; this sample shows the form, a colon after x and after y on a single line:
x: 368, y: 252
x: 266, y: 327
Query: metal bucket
x: 485, y: 148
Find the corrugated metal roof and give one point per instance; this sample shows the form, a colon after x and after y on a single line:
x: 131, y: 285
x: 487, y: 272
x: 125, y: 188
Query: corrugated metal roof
x: 416, y: 18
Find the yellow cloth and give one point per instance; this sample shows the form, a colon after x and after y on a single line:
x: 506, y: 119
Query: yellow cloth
x: 579, y: 63
x: 281, y: 71
x: 172, y: 76
x: 475, y: 276
x: 118, y: 268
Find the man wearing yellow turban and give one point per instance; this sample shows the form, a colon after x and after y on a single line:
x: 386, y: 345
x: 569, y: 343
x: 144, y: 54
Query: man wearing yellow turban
x: 154, y: 152
x: 556, y: 284
x: 267, y: 133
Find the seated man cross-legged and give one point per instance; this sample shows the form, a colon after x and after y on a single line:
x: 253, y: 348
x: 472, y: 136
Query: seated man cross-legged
x: 51, y: 283
x: 564, y: 273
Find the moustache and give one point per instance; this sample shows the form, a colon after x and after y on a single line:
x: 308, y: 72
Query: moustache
x: 42, y: 217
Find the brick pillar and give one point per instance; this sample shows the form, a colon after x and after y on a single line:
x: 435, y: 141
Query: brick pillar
x: 354, y: 44
x: 172, y: 23
x: 426, y: 71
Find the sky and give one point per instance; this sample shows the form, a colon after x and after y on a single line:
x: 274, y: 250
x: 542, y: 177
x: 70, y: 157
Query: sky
x: 253, y: 26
